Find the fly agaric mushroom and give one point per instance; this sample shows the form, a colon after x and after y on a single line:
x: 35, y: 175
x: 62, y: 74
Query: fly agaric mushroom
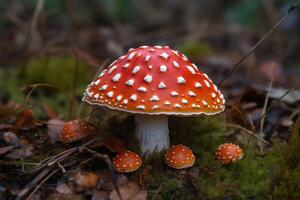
x: 179, y: 157
x: 229, y: 153
x: 127, y: 162
x: 154, y: 82
x: 75, y: 130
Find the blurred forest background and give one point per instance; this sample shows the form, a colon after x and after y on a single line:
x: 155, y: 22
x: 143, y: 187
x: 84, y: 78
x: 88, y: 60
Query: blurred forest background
x: 51, y: 49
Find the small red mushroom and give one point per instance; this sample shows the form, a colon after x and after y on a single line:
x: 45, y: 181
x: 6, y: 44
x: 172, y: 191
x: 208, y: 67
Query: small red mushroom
x: 127, y: 162
x: 179, y: 157
x: 75, y: 130
x: 86, y: 180
x: 228, y: 153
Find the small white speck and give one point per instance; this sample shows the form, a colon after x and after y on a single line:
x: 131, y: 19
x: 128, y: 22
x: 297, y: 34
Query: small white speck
x: 164, y: 55
x: 167, y: 103
x: 162, y: 85
x: 176, y: 105
x: 116, y: 78
x: 154, y: 98
x: 142, y: 89
x: 147, y: 58
x: 133, y: 97
x: 204, y: 103
x: 126, y: 65
x: 96, y: 96
x: 150, y: 66
x: 119, y: 97
x: 151, y: 50
x: 110, y: 94
x: 90, y: 94
x: 198, y: 85
x: 142, y: 107
x: 130, y: 82
x: 184, y: 101
x: 158, y: 47
x: 136, y: 69
x: 191, y: 93
x: 180, y: 80
x: 195, y: 106
x: 175, y: 64
x: 191, y: 69
x: 218, y: 100
x: 125, y: 101
x: 195, y: 67
x: 175, y: 52
x: 144, y: 47
x: 207, y: 83
x: 102, y: 73
x: 174, y: 94
x: 131, y: 55
x: 97, y: 82
x: 155, y: 107
x: 213, y: 95
x: 163, y: 68
x: 104, y: 87
x: 148, y: 78
x: 112, y: 69
x: 184, y: 57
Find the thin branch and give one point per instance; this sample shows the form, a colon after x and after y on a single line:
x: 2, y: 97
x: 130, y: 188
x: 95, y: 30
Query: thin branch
x: 262, y: 39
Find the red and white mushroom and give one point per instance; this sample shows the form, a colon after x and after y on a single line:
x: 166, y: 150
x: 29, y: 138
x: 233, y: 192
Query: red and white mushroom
x: 179, y: 157
x: 127, y: 162
x: 75, y: 130
x: 154, y: 82
x: 228, y: 153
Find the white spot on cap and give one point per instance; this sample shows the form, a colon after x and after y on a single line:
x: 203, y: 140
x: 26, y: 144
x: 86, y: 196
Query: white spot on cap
x: 97, y: 82
x: 136, y: 69
x: 142, y: 107
x: 147, y: 58
x: 116, y: 78
x: 96, y: 96
x: 155, y: 107
x: 126, y: 65
x: 176, y: 105
x: 167, y: 103
x: 195, y: 106
x: 218, y: 100
x: 191, y: 69
x: 175, y: 52
x: 162, y: 85
x: 154, y: 98
x: 148, y: 78
x: 159, y: 47
x: 104, y: 87
x: 133, y: 97
x: 102, y: 74
x: 163, y: 68
x: 174, y: 94
x: 204, y: 103
x: 175, y: 64
x: 112, y: 69
x: 213, y: 95
x: 142, y: 89
x: 90, y: 94
x: 184, y: 57
x: 180, y: 80
x: 195, y: 67
x: 184, y: 101
x: 207, y: 83
x: 119, y: 97
x: 198, y: 85
x: 131, y: 55
x: 191, y: 93
x: 130, y: 82
x: 125, y: 101
x: 164, y: 55
x: 110, y: 94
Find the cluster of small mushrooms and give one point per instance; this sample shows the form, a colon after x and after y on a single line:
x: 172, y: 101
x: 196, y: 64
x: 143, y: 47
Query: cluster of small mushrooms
x: 154, y: 82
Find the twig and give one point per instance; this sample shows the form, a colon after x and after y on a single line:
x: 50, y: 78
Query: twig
x: 108, y: 162
x: 246, y: 131
x: 157, y: 192
x: 262, y: 39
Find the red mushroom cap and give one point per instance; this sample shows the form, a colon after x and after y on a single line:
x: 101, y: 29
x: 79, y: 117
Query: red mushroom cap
x: 155, y: 80
x: 228, y: 153
x: 86, y: 179
x: 127, y: 162
x: 179, y: 157
x: 75, y: 130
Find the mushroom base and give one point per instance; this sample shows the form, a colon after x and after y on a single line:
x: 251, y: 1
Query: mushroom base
x: 152, y: 133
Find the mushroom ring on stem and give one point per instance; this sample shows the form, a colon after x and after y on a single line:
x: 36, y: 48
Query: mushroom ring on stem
x: 153, y: 83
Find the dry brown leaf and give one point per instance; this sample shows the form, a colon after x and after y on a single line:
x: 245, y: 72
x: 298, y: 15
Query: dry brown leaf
x: 4, y: 150
x: 129, y: 191
x: 25, y: 151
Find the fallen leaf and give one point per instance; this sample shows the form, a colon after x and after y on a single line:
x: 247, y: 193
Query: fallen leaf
x: 25, y: 151
x: 4, y: 150
x: 54, y: 127
x: 129, y: 191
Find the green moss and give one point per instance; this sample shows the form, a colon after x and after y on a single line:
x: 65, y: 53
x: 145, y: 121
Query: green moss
x: 195, y: 49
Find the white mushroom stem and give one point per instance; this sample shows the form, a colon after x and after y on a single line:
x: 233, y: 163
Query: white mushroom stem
x: 152, y: 132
